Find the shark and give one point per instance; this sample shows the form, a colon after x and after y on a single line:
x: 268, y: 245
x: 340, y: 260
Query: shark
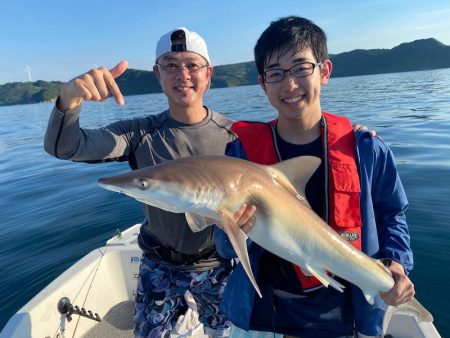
x: 209, y: 189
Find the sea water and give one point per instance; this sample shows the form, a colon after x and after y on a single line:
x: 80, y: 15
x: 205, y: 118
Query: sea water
x: 53, y: 212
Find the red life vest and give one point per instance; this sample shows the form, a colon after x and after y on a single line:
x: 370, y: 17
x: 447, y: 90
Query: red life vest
x: 258, y: 141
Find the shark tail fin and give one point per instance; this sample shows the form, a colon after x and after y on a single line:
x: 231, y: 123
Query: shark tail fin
x: 238, y: 239
x: 410, y: 308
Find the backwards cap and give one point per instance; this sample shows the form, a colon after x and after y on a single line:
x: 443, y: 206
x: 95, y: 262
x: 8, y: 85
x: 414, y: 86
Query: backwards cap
x: 181, y: 39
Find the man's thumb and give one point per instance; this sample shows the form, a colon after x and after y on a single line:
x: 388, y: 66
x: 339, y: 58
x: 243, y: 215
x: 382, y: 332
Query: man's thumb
x: 119, y: 69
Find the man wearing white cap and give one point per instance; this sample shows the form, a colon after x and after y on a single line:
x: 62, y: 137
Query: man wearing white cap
x: 175, y: 259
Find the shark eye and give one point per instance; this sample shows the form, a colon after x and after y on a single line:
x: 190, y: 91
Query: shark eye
x: 142, y: 184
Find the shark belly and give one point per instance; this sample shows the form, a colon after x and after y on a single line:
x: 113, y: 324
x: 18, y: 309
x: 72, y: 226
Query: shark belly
x: 318, y: 250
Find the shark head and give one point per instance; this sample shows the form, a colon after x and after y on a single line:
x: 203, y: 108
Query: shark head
x: 209, y: 190
x: 160, y: 186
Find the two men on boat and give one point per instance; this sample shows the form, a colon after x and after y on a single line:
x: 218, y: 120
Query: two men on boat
x: 293, y: 64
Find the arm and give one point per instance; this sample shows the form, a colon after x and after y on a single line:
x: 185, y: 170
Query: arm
x: 390, y: 204
x: 65, y: 139
x: 385, y: 231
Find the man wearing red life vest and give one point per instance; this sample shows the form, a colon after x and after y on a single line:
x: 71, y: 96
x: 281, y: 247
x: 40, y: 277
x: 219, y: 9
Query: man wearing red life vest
x: 356, y: 189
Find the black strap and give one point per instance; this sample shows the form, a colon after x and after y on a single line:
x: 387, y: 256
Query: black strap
x: 178, y: 258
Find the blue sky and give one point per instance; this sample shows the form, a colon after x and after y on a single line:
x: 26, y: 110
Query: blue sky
x: 62, y: 39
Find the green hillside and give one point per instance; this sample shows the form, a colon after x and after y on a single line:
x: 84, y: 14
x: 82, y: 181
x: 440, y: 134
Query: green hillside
x: 412, y: 56
x: 28, y: 92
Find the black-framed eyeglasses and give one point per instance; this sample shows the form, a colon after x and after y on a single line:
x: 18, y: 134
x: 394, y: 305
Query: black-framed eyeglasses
x: 302, y: 69
x: 173, y: 68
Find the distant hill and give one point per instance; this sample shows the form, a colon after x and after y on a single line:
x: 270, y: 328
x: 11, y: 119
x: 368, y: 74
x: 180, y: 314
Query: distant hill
x: 411, y: 56
x: 28, y: 92
x: 134, y: 81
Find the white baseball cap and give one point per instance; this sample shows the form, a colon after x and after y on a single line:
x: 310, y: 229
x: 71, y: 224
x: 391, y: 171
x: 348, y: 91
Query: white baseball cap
x: 190, y: 42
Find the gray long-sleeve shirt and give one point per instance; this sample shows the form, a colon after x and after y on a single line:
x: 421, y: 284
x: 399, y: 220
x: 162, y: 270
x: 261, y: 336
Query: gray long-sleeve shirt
x: 144, y: 142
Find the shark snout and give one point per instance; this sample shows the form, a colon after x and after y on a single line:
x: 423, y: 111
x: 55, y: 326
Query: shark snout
x: 102, y: 181
x: 109, y: 184
x: 105, y: 182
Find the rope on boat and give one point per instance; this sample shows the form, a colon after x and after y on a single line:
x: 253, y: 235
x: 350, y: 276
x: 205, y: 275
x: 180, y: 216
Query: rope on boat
x: 93, y: 273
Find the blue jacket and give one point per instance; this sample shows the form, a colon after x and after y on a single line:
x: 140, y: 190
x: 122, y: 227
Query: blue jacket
x: 384, y: 234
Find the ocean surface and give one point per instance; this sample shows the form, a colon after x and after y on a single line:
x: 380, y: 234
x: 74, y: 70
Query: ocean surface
x: 53, y: 212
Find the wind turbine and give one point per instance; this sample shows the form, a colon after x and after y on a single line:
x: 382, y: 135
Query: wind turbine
x: 28, y: 70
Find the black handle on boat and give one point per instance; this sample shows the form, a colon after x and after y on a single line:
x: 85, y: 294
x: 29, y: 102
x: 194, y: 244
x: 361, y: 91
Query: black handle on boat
x: 66, y: 308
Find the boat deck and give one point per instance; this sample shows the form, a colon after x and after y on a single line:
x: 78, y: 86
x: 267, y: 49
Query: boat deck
x: 104, y: 282
x: 118, y: 323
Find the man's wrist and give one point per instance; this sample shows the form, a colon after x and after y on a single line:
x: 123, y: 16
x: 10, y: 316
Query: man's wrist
x: 63, y: 107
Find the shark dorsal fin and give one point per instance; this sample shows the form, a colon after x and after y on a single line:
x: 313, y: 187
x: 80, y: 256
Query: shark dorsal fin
x: 293, y: 174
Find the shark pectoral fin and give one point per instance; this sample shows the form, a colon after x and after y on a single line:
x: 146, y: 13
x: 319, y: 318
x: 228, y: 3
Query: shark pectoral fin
x: 198, y: 223
x: 238, y: 239
x: 411, y: 308
x: 326, y: 280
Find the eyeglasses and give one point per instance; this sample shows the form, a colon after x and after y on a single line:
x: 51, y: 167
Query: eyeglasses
x: 174, y: 68
x: 299, y: 70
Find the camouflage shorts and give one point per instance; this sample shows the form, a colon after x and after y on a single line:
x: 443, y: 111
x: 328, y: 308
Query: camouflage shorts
x: 160, y: 299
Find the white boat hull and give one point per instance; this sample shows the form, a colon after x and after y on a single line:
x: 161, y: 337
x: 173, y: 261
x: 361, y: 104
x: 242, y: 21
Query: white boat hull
x: 104, y: 282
